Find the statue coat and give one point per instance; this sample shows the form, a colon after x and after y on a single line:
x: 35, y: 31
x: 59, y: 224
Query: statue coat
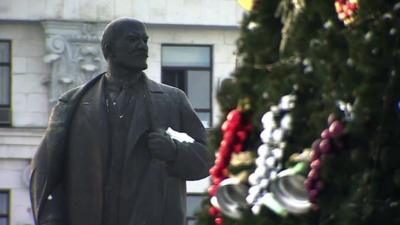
x: 67, y: 181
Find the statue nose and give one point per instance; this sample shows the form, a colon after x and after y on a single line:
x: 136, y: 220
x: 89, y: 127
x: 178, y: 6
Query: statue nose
x: 143, y: 45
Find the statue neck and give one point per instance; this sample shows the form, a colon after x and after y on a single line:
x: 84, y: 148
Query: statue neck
x: 124, y: 75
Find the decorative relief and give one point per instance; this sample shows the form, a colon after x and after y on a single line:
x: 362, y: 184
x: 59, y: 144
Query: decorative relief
x: 73, y: 50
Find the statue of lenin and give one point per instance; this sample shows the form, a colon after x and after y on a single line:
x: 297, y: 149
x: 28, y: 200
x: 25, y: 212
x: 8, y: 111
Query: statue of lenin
x: 105, y: 158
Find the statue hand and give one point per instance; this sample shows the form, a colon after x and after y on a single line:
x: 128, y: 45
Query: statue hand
x: 161, y: 146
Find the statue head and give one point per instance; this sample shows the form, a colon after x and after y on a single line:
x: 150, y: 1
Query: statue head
x: 124, y: 44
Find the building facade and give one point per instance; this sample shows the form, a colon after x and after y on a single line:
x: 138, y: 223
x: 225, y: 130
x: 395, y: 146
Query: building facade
x: 48, y: 47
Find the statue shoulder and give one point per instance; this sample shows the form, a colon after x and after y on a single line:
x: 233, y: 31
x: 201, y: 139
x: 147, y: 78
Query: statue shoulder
x: 70, y: 94
x: 76, y: 92
x: 175, y: 93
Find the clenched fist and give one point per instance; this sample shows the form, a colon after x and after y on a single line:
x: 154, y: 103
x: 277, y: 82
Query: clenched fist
x: 161, y: 146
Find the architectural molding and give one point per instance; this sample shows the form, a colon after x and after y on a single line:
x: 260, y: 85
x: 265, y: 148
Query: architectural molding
x: 74, y: 53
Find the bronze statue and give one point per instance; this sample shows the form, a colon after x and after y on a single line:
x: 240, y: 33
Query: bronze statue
x: 106, y: 158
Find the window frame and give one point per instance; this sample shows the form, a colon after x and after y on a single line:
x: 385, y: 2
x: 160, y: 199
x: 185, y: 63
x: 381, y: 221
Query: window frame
x: 210, y: 68
x: 9, y: 65
x: 203, y: 195
x: 8, y: 214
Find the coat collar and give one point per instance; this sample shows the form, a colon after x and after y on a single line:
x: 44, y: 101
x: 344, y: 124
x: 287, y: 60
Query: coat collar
x: 153, y: 86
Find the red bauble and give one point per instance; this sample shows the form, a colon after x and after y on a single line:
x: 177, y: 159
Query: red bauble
x: 315, y: 145
x: 229, y: 137
x: 234, y: 116
x: 219, y: 221
x: 316, y: 164
x: 352, y: 6
x: 313, y: 175
x: 225, y: 126
x: 238, y: 148
x: 217, y: 180
x: 319, y: 185
x: 224, y: 152
x: 325, y: 134
x: 212, y: 190
x: 336, y: 128
x: 218, y: 161
x: 325, y: 146
x: 314, y: 195
x: 213, y: 211
x: 315, y: 155
x: 223, y: 144
x: 309, y: 184
x: 225, y: 172
x: 241, y: 135
x: 213, y: 171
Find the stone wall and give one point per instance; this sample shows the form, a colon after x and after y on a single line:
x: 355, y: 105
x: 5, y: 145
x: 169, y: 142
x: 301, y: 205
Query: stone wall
x: 206, y: 12
x: 17, y: 146
x: 29, y: 97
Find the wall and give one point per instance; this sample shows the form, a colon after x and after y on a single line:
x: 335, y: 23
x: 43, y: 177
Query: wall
x: 206, y: 12
x: 29, y: 72
x: 16, y: 149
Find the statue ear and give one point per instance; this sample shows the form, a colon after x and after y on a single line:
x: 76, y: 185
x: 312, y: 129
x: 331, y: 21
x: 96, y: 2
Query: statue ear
x: 108, y: 52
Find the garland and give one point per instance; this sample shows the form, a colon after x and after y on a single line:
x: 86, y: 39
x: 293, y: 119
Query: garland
x: 235, y: 130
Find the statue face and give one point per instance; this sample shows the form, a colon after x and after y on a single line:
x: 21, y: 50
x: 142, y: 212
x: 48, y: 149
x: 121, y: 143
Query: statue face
x: 130, y: 48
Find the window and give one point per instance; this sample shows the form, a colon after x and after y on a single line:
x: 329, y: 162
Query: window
x: 5, y: 83
x: 4, y: 208
x: 188, y: 68
x: 193, y: 206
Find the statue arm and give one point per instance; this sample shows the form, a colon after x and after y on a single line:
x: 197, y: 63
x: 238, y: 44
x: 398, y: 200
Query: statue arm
x: 193, y: 159
x: 46, y: 189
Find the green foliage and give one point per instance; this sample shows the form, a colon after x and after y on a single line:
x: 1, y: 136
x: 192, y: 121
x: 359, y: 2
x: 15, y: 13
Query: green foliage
x: 309, y: 52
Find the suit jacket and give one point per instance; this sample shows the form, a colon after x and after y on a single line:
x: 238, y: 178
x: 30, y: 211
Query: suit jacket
x: 67, y: 182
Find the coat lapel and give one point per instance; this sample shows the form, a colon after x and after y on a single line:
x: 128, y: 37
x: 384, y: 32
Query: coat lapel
x: 94, y: 106
x: 157, y: 113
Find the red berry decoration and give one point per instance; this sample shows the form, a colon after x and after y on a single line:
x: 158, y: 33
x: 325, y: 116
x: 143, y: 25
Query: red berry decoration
x: 347, y: 10
x: 313, y: 195
x: 325, y: 146
x: 336, y: 128
x: 316, y: 164
x: 235, y: 130
x: 219, y: 221
x: 320, y: 185
x: 315, y: 155
x: 313, y: 174
x: 213, y: 211
x: 330, y: 143
x: 325, y: 134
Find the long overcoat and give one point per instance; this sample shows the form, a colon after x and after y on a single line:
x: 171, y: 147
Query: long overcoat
x: 68, y: 170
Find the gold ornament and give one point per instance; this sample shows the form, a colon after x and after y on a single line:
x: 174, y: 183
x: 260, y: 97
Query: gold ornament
x: 242, y: 159
x: 244, y: 105
x: 305, y: 156
x: 246, y: 4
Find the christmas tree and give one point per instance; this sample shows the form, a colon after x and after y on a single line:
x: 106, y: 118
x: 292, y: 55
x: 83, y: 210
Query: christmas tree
x: 316, y: 94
